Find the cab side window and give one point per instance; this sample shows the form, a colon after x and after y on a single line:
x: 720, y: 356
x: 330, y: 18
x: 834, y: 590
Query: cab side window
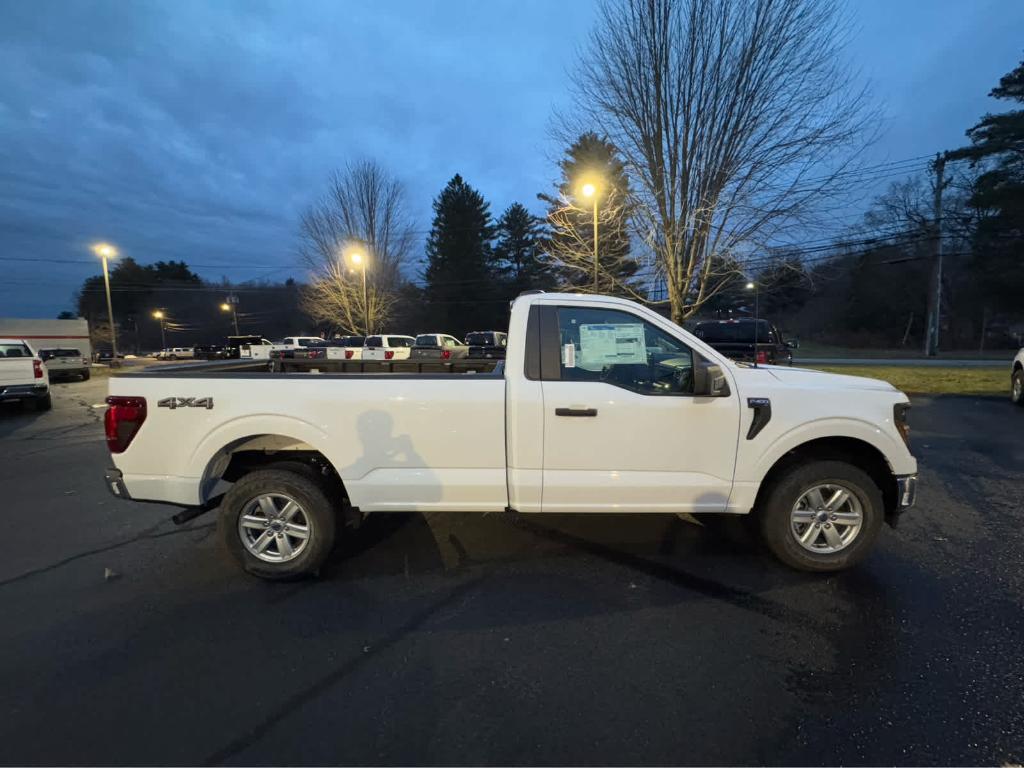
x: 623, y: 350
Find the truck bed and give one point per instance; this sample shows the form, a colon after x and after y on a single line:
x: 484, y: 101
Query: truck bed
x: 324, y: 366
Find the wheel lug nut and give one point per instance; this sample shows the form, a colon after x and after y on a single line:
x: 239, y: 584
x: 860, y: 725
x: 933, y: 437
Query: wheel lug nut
x: 833, y: 517
x: 828, y: 525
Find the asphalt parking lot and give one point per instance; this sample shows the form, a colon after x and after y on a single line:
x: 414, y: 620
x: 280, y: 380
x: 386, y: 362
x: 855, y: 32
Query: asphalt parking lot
x: 471, y: 639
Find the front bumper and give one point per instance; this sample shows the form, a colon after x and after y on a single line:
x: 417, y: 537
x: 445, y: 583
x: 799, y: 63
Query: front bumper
x: 115, y: 483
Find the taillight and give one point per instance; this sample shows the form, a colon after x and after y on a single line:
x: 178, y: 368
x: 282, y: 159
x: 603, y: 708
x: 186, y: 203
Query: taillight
x: 349, y: 353
x: 388, y: 354
x: 122, y: 421
x: 445, y: 354
x: 37, y: 369
x: 762, y: 356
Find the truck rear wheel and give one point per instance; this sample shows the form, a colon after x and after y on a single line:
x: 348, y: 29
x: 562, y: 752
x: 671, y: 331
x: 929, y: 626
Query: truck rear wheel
x: 822, y: 516
x: 1017, y: 387
x: 278, y: 523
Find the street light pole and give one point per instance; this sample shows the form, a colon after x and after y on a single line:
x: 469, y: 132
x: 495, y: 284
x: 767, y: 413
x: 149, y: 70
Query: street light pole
x: 357, y: 258
x: 589, y: 190
x: 229, y: 305
x: 752, y: 285
x: 105, y: 251
x: 159, y: 315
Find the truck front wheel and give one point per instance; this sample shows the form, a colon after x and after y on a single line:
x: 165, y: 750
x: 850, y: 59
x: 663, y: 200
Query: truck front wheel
x: 278, y: 524
x: 822, y: 516
x: 1017, y: 387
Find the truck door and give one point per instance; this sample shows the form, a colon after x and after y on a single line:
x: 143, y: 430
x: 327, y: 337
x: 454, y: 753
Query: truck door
x: 622, y: 429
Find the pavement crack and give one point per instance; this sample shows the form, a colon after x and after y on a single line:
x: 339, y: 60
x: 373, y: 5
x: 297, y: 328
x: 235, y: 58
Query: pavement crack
x: 145, y: 535
x: 298, y: 699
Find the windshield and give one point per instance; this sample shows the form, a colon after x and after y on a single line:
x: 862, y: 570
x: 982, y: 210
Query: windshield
x: 739, y: 332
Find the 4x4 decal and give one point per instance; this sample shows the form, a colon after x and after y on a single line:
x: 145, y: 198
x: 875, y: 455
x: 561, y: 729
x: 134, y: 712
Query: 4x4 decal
x: 185, y: 402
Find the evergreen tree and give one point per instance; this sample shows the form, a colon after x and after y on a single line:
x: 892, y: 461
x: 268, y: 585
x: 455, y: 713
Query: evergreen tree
x: 997, y: 142
x: 462, y: 279
x: 518, y: 251
x: 570, y: 246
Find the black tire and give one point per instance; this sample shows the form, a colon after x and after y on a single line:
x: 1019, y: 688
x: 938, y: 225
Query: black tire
x: 785, y: 492
x: 1017, y: 387
x: 311, y: 496
x: 85, y: 375
x: 43, y: 403
x: 172, y: 357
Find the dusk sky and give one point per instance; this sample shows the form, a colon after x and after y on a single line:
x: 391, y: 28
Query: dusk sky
x: 200, y: 131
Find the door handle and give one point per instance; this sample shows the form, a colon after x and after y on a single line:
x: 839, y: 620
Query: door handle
x: 575, y: 411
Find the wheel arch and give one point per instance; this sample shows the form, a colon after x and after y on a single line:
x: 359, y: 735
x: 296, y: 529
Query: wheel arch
x: 243, y: 455
x: 852, y: 450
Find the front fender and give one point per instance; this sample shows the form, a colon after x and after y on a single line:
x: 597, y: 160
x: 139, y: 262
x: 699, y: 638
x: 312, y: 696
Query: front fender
x: 896, y: 455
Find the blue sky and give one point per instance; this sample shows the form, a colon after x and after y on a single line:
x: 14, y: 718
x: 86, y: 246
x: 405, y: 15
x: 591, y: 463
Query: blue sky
x: 200, y: 131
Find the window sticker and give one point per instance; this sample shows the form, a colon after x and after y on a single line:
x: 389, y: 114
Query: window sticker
x: 611, y: 344
x: 569, y: 355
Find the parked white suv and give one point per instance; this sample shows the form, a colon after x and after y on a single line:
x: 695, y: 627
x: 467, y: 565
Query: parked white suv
x: 23, y: 375
x: 1017, y: 378
x: 177, y: 353
x: 387, y: 347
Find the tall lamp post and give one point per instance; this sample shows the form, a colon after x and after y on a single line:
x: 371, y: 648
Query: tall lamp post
x: 161, y: 315
x: 359, y: 260
x: 230, y: 306
x: 752, y: 286
x: 589, y: 190
x: 106, y: 251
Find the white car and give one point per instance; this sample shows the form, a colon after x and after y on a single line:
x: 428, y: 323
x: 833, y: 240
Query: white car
x: 23, y: 376
x: 387, y: 347
x: 177, y: 353
x: 601, y: 405
x: 1017, y: 378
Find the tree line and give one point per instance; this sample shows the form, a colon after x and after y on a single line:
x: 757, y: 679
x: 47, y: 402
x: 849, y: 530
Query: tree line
x: 705, y: 139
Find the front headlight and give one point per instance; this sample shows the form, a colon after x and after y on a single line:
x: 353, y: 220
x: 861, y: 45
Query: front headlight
x: 900, y: 411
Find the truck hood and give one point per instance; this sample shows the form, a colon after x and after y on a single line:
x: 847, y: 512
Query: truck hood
x: 807, y: 378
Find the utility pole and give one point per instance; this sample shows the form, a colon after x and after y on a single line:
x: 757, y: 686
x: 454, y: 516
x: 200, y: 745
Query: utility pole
x: 931, y: 335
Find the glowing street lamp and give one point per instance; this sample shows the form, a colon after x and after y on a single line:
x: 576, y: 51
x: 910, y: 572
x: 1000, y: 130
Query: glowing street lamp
x: 357, y: 258
x: 589, y: 190
x: 160, y: 315
x: 106, y: 251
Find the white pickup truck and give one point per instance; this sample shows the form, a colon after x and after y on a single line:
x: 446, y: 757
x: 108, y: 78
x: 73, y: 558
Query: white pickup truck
x: 601, y: 405
x: 23, y: 376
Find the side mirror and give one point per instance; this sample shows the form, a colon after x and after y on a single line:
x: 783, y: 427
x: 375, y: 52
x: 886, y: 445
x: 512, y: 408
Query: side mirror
x: 708, y: 379
x: 793, y: 344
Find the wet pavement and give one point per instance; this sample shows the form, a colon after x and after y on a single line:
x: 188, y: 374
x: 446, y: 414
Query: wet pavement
x: 492, y: 639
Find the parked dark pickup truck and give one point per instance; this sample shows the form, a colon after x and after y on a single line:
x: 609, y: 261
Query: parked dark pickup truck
x: 487, y: 344
x: 735, y: 339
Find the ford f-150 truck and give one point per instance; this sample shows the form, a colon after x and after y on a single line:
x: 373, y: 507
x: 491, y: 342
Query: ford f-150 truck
x: 601, y: 405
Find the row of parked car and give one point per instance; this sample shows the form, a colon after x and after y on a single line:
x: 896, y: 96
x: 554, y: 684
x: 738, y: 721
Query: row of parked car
x: 424, y: 346
x: 385, y: 346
